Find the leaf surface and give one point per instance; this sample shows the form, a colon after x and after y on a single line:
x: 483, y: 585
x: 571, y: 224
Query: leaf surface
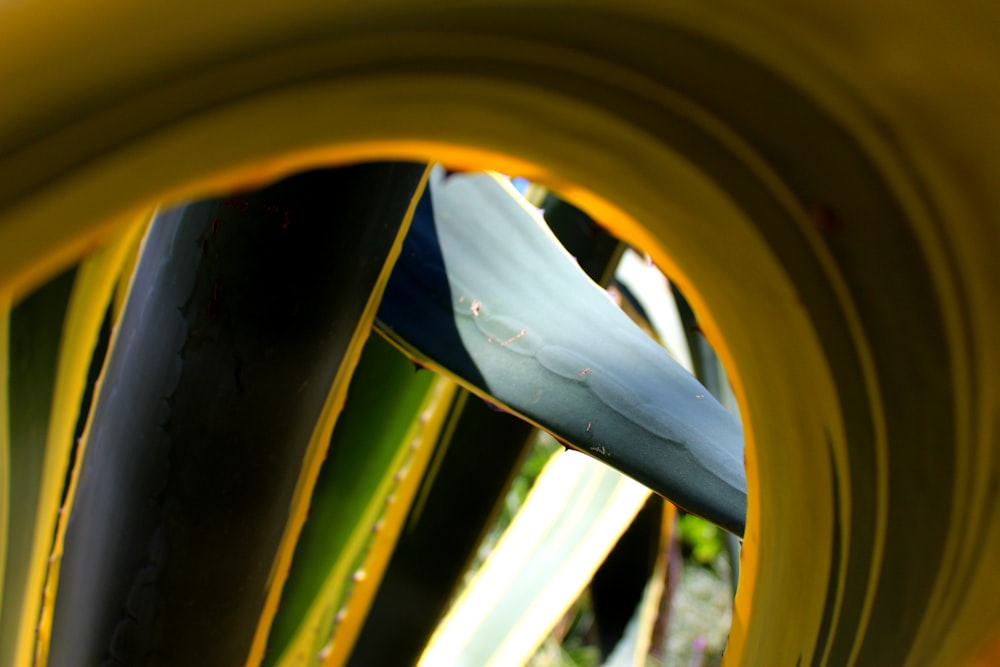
x: 246, y: 317
x: 484, y: 292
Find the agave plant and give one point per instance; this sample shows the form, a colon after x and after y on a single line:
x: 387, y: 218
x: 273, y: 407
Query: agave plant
x: 229, y: 363
x: 818, y: 182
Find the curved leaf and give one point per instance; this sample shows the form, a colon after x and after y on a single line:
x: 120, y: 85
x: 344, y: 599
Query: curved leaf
x: 483, y: 291
x: 570, y: 520
x: 389, y: 426
x: 244, y: 321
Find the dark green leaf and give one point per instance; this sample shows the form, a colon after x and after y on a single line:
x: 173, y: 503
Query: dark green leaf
x: 241, y: 313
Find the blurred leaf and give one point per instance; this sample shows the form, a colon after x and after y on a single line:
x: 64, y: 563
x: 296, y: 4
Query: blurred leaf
x: 569, y: 522
x: 659, y: 304
x: 595, y: 250
x: 458, y: 500
x: 627, y: 589
x: 645, y: 629
x: 701, y: 537
x: 5, y: 452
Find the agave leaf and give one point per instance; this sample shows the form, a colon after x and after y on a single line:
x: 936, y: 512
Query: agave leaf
x: 371, y: 567
x: 596, y: 251
x: 633, y: 646
x: 246, y: 316
x: 747, y: 120
x: 482, y: 291
x: 570, y: 520
x: 52, y: 336
x: 458, y: 501
x: 5, y: 453
x: 390, y: 422
x: 35, y: 332
x: 513, y: 640
x: 658, y: 302
x: 456, y: 509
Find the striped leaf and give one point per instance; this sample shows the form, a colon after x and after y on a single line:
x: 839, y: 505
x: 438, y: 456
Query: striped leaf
x: 243, y: 324
x: 391, y: 423
x: 48, y: 340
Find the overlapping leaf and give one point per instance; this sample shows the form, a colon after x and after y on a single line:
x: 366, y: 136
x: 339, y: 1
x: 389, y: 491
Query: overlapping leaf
x: 246, y: 317
x: 379, y: 450
x: 484, y: 292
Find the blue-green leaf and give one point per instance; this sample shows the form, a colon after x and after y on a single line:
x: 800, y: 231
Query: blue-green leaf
x: 484, y: 292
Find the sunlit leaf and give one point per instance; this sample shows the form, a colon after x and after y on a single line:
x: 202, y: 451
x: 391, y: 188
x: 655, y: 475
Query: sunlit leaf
x: 567, y: 525
x: 484, y: 292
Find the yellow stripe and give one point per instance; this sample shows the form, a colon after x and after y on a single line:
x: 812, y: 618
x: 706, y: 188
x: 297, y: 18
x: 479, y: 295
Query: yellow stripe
x: 438, y: 406
x: 320, y: 440
x: 5, y: 307
x: 366, y: 550
x: 91, y: 293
